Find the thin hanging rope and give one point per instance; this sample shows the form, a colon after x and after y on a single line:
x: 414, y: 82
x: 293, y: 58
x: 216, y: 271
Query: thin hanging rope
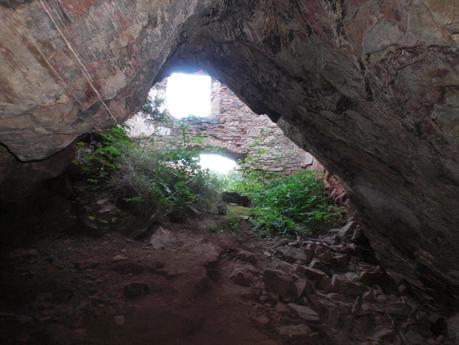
x: 82, y: 66
x: 68, y: 91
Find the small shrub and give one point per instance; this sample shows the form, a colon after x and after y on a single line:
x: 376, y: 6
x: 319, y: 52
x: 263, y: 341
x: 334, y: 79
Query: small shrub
x: 152, y: 110
x: 287, y: 204
x: 98, y: 159
x: 148, y: 179
x: 169, y: 183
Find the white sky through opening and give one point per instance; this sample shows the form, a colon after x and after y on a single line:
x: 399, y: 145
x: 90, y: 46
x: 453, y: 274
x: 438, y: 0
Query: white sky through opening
x: 189, y: 94
x: 217, y: 163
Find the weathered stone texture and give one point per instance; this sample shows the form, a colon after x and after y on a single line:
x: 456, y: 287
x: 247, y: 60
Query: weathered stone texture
x: 370, y: 88
x: 19, y: 181
x: 233, y: 128
x: 238, y: 129
x: 51, y: 79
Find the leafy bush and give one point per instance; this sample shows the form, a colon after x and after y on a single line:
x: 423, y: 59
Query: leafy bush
x: 286, y: 204
x: 99, y: 158
x: 162, y: 177
x: 148, y: 179
x: 170, y: 183
x: 152, y: 110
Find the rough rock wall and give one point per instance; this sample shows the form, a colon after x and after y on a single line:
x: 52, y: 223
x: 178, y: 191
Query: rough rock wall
x: 369, y: 87
x: 19, y: 181
x: 63, y: 63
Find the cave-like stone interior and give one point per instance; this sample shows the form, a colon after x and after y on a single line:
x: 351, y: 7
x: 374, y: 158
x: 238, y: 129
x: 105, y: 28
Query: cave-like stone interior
x: 369, y: 87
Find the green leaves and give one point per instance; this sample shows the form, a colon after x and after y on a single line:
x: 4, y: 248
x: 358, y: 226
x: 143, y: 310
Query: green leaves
x: 145, y: 177
x: 286, y: 204
x: 152, y: 110
x: 169, y: 181
x: 98, y: 159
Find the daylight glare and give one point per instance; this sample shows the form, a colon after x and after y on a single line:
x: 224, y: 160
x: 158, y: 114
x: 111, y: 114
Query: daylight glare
x: 189, y: 94
x: 217, y: 163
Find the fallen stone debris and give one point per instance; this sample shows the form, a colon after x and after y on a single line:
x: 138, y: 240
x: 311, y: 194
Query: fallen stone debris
x: 188, y: 286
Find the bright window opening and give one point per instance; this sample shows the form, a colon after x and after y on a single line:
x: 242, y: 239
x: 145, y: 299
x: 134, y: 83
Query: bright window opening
x: 217, y: 163
x: 189, y: 95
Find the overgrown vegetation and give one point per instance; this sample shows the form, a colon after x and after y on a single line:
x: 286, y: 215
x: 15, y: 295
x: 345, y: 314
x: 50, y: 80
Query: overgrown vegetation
x: 99, y: 158
x: 161, y: 177
x: 146, y: 178
x: 169, y: 182
x: 283, y: 204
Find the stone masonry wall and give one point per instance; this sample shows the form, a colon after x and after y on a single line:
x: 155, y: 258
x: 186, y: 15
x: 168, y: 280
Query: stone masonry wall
x: 238, y: 131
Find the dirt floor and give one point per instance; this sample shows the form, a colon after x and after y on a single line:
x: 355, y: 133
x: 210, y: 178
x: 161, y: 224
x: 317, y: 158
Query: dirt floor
x: 200, y: 284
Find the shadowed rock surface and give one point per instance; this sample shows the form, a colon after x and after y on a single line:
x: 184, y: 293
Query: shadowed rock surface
x: 199, y: 288
x: 370, y: 88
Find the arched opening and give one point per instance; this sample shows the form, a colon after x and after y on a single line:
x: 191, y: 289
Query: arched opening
x: 217, y: 163
x: 370, y: 88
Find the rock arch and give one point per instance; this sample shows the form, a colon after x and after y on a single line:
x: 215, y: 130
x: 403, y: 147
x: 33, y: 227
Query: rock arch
x: 371, y: 88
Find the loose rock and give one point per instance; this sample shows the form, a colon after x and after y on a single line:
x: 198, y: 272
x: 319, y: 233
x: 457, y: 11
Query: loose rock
x: 292, y: 254
x: 305, y: 313
x: 119, y: 258
x: 281, y: 284
x: 162, y: 238
x: 295, y: 331
x: 241, y: 277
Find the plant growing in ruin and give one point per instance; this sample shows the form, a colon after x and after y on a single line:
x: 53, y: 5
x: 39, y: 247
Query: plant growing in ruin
x: 150, y: 179
x: 286, y: 204
x: 98, y: 158
x: 153, y: 110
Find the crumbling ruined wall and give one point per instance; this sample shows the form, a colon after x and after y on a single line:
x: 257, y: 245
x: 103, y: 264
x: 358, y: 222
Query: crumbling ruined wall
x: 239, y: 131
x: 233, y: 129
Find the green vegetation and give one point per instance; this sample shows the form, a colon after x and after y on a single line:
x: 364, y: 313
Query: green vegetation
x: 146, y: 178
x: 236, y: 214
x: 169, y: 182
x: 286, y: 204
x: 99, y: 158
x: 152, y: 110
x: 161, y: 177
